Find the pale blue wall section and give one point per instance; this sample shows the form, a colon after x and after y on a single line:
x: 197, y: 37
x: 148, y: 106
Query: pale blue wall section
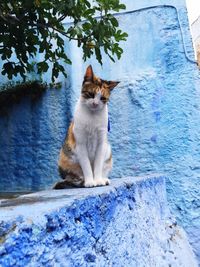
x: 154, y: 115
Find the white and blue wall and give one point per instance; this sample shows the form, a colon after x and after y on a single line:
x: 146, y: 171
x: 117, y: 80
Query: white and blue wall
x: 125, y: 224
x: 154, y: 113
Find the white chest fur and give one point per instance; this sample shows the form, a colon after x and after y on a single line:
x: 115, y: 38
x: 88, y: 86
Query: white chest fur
x: 90, y: 127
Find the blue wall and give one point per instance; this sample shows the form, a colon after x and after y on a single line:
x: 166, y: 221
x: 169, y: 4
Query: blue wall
x: 125, y: 224
x: 154, y: 114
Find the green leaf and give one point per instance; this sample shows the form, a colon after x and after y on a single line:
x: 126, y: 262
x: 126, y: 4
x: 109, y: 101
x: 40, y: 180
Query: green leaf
x: 121, y: 6
x: 98, y: 55
x: 114, y: 22
x: 42, y: 67
x: 37, y: 27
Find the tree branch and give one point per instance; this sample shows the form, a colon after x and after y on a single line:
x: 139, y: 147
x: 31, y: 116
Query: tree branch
x: 62, y: 17
x: 9, y: 18
x: 47, y: 26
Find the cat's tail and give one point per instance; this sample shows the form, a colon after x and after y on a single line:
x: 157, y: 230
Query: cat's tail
x: 69, y: 180
x: 66, y: 184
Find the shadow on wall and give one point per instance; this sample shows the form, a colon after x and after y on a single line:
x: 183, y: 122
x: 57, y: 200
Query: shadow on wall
x: 32, y: 130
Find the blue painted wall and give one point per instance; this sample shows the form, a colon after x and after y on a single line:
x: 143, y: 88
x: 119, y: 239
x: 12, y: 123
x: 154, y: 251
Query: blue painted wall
x: 125, y: 224
x: 154, y: 114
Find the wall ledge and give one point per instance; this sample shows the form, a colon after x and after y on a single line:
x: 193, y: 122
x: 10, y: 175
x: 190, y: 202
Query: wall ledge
x: 125, y: 224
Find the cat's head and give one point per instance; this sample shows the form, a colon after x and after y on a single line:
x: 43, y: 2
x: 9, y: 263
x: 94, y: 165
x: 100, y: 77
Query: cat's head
x: 96, y: 91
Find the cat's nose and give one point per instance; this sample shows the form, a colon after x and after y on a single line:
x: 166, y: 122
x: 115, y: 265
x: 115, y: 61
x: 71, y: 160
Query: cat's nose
x: 94, y: 104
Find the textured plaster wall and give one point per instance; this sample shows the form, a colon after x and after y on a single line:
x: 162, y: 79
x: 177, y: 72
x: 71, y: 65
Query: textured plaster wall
x: 125, y: 224
x: 30, y: 136
x: 154, y: 114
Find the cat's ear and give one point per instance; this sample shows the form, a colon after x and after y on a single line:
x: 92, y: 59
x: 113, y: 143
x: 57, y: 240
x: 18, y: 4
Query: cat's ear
x: 89, y: 74
x: 112, y: 85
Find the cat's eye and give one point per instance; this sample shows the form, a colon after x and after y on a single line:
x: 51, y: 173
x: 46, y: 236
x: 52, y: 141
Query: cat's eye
x: 103, y: 99
x: 90, y: 95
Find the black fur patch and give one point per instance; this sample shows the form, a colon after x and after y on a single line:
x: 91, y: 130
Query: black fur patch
x: 69, y: 180
x: 69, y: 176
x: 62, y: 172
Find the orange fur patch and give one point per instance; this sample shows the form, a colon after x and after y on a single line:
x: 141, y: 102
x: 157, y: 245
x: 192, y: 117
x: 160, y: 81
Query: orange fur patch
x: 105, y: 92
x: 71, y: 142
x: 65, y: 161
x: 66, y: 164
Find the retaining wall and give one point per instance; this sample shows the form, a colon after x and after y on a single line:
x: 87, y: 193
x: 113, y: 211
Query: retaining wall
x: 125, y: 224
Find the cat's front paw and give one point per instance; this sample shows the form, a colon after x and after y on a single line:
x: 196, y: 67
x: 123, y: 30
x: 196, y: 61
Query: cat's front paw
x: 89, y: 183
x: 102, y: 181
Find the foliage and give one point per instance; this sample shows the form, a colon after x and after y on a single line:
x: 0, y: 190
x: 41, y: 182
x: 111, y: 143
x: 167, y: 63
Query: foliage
x: 29, y: 27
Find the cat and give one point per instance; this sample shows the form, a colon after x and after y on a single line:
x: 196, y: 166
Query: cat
x: 85, y: 157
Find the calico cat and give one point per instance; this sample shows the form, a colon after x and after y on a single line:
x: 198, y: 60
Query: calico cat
x: 86, y: 158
